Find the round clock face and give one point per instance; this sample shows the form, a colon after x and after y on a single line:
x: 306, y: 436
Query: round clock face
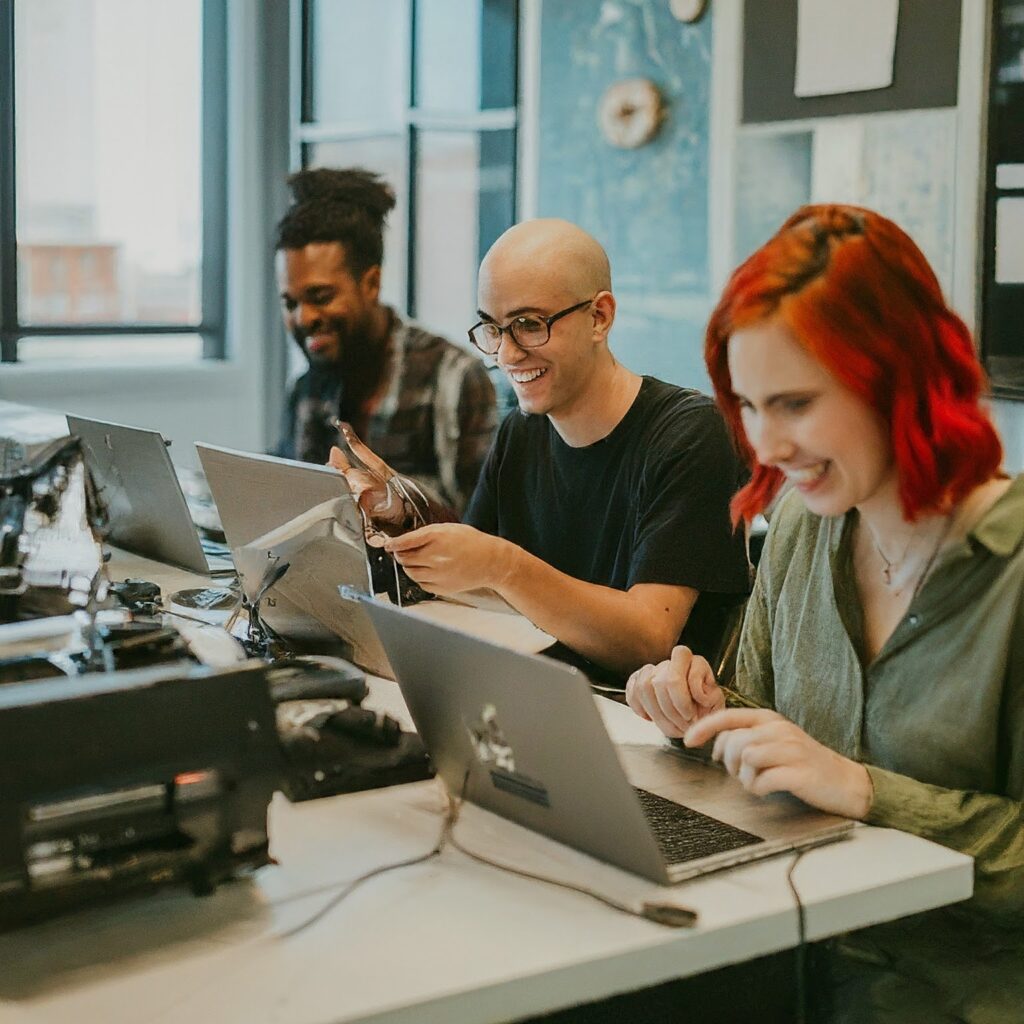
x: 687, y: 10
x: 630, y: 112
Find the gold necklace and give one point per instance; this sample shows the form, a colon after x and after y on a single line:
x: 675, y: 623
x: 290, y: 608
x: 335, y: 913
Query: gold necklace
x: 891, y: 564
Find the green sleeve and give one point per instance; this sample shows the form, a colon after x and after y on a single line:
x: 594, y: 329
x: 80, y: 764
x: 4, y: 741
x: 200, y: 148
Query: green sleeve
x: 989, y: 828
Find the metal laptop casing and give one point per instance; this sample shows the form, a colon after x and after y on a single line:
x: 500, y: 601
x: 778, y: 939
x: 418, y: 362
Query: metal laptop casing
x: 255, y: 494
x: 136, y: 479
x: 568, y: 783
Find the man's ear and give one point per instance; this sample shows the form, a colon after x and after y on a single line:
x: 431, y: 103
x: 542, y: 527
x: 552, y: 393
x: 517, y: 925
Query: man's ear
x: 369, y: 283
x: 603, y: 312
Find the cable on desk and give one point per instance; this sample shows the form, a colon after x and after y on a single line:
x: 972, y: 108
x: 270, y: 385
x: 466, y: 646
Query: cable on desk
x: 669, y: 914
x: 800, y: 953
x: 163, y: 610
x: 350, y: 887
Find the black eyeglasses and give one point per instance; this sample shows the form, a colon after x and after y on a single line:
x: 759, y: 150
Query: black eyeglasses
x: 529, y: 331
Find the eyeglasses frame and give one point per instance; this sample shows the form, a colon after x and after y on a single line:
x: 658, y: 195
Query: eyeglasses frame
x: 546, y: 320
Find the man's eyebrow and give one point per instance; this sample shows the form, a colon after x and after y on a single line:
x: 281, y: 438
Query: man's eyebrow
x: 518, y: 311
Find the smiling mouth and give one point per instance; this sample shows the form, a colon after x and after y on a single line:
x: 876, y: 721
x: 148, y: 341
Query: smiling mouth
x: 526, y: 376
x: 808, y: 474
x: 318, y: 342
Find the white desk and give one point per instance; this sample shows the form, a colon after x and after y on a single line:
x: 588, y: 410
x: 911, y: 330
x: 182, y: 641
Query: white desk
x: 449, y: 941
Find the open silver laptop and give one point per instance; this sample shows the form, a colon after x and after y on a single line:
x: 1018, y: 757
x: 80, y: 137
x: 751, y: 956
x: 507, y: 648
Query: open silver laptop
x: 528, y: 732
x: 138, y: 484
x: 256, y: 496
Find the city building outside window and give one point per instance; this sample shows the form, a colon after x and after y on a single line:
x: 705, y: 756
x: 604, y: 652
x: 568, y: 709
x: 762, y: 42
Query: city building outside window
x: 112, y: 180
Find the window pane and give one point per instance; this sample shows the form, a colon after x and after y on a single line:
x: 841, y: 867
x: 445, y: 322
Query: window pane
x: 108, y: 160
x: 124, y: 350
x: 386, y: 157
x: 359, y: 56
x: 464, y: 200
x: 465, y: 54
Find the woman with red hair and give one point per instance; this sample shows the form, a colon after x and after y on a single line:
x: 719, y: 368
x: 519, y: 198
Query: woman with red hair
x: 880, y: 671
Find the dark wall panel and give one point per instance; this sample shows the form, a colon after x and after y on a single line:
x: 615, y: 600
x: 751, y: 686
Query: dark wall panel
x: 925, y: 68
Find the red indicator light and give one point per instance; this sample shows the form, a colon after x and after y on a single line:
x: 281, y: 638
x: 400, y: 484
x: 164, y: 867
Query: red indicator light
x: 190, y: 778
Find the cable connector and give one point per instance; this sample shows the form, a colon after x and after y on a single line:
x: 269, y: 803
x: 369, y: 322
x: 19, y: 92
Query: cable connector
x: 670, y: 914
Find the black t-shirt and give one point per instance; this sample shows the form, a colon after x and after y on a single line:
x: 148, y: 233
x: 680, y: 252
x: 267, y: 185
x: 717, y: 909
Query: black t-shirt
x: 649, y: 503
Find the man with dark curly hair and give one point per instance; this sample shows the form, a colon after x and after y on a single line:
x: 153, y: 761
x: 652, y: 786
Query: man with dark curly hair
x: 423, y: 404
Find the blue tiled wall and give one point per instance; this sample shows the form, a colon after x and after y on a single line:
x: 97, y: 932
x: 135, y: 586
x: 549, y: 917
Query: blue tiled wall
x: 648, y: 206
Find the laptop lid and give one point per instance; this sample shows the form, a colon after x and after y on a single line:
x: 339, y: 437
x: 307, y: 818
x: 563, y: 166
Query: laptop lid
x: 136, y: 481
x: 255, y: 494
x: 256, y: 497
x: 528, y: 732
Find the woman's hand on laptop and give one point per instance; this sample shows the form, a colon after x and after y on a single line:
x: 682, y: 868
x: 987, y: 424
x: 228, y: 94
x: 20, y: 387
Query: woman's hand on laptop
x: 675, y: 693
x: 768, y: 753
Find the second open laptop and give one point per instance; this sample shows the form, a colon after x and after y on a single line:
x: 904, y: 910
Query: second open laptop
x: 255, y: 493
x: 138, y: 485
x: 521, y: 736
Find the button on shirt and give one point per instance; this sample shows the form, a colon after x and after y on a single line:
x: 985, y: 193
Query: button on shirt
x: 938, y: 719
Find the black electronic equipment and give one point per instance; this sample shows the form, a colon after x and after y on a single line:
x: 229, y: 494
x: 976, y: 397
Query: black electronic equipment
x: 330, y: 743
x: 113, y: 782
x: 316, y: 678
x: 31, y: 491
x: 347, y: 750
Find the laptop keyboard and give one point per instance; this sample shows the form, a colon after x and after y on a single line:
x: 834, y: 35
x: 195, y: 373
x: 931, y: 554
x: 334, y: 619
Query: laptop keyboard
x: 684, y: 834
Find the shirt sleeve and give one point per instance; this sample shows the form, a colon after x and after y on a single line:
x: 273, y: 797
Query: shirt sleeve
x: 684, y: 535
x: 477, y: 420
x: 989, y: 828
x: 285, y: 448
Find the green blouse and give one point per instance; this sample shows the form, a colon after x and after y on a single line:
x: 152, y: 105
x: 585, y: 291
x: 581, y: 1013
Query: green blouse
x: 938, y: 719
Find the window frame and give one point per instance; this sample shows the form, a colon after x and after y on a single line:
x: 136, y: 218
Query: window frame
x: 213, y: 204
x: 307, y: 132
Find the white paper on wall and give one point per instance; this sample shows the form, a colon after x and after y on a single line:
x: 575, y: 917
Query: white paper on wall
x: 1010, y: 176
x: 837, y: 165
x: 1010, y: 241
x: 844, y: 45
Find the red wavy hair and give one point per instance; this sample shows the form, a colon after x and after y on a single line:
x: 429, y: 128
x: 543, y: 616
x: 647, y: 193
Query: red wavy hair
x: 861, y: 298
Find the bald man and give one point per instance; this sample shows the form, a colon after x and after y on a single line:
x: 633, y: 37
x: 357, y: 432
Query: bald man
x: 601, y: 513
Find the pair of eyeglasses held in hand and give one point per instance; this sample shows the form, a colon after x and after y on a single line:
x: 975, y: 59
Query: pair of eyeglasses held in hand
x: 387, y: 487
x: 531, y: 330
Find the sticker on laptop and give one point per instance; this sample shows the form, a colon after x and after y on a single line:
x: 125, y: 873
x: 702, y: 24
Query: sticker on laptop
x: 494, y: 752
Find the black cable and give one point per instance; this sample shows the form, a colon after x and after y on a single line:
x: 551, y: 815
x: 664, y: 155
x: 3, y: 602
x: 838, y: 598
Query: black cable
x: 800, y: 953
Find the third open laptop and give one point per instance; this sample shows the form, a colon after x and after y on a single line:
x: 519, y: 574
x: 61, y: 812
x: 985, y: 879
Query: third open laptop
x: 137, y: 483
x: 521, y: 735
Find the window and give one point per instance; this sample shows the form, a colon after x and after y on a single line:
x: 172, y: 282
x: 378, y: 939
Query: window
x: 112, y: 179
x: 422, y: 92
